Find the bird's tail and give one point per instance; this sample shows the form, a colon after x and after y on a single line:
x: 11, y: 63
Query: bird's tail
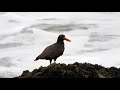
x: 36, y: 59
x: 39, y: 57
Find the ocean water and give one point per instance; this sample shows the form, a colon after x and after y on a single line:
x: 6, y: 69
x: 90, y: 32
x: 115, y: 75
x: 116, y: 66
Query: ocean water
x: 95, y: 39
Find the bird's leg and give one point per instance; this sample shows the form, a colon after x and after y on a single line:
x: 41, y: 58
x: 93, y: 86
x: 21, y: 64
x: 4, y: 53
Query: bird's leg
x: 50, y: 61
x: 54, y: 60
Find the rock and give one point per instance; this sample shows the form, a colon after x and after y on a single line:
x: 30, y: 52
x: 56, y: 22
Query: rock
x: 75, y: 70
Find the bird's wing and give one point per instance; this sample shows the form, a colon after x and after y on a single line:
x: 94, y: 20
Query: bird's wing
x: 48, y: 51
x: 51, y: 51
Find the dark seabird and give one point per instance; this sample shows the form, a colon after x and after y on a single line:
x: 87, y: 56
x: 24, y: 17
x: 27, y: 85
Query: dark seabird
x: 54, y: 51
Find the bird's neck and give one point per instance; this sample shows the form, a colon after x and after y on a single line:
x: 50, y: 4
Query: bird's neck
x: 60, y: 42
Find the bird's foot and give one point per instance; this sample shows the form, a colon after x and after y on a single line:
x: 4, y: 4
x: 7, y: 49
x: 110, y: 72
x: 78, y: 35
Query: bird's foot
x: 55, y: 62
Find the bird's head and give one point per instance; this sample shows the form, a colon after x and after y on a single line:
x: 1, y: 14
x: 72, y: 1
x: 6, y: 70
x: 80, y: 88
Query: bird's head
x: 62, y: 37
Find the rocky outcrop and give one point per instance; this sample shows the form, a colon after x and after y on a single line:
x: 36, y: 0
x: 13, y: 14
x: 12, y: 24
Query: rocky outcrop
x: 76, y: 70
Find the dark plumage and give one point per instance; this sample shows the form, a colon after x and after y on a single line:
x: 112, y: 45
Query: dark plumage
x: 53, y: 51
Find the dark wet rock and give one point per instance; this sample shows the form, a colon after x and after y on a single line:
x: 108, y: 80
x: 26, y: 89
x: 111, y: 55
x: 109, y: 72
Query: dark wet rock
x: 114, y: 72
x: 26, y: 74
x: 75, y: 70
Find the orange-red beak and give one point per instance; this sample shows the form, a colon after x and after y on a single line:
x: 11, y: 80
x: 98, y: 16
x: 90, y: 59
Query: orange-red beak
x: 67, y: 39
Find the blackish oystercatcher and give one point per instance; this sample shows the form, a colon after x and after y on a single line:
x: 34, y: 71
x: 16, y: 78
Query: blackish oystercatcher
x: 54, y: 51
